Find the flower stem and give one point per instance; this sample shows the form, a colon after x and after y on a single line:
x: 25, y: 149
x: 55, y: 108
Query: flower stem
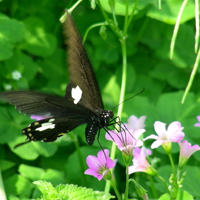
x: 113, y: 183
x: 164, y: 182
x: 74, y: 138
x: 175, y: 186
x: 91, y: 27
x: 153, y: 189
x: 172, y: 164
x: 127, y: 160
x: 2, y: 190
x: 127, y: 184
x: 122, y: 37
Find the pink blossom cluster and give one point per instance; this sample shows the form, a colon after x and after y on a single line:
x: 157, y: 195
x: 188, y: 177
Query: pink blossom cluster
x: 129, y: 142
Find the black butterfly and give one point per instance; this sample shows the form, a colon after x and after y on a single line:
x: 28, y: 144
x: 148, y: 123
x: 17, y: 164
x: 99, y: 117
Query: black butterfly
x: 81, y: 104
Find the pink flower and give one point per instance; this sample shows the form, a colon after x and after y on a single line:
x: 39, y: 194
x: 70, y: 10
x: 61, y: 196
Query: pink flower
x: 147, y: 151
x: 99, y: 166
x: 165, y: 137
x: 126, y: 140
x: 140, y: 164
x: 136, y: 123
x: 186, y: 150
x: 198, y: 124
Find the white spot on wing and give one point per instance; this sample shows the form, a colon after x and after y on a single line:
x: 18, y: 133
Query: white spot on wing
x: 51, y: 120
x: 45, y: 126
x: 76, y: 94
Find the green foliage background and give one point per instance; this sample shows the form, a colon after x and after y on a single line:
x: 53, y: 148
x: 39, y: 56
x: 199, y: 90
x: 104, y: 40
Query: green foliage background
x: 31, y: 43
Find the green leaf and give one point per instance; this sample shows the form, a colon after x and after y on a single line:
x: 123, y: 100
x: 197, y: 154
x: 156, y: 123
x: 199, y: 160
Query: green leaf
x: 178, y: 78
x: 35, y: 173
x: 169, y: 11
x: 167, y: 14
x: 160, y: 42
x: 46, y: 149
x: 169, y: 107
x: 192, y: 180
x: 18, y: 185
x: 112, y: 90
x: 54, y: 68
x: 6, y: 48
x: 6, y: 164
x: 181, y: 57
x: 11, y: 31
x: 38, y: 42
x: 109, y: 57
x: 27, y: 151
x: 181, y: 195
x: 47, y: 190
x: 10, y: 126
x: 120, y: 7
x: 70, y: 192
x: 30, y: 68
x: 30, y: 172
x: 32, y: 150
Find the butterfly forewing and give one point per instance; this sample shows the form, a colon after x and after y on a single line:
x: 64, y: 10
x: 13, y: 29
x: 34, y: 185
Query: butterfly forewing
x: 80, y: 69
x: 34, y: 103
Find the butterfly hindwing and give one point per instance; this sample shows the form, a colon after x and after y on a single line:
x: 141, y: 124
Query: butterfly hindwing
x: 48, y: 130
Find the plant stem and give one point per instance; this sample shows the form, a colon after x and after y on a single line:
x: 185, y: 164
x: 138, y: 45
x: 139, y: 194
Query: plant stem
x: 93, y: 26
x: 174, y: 192
x: 127, y: 184
x: 153, y: 189
x: 2, y: 190
x: 164, y: 182
x: 176, y: 27
x: 192, y: 75
x: 74, y: 138
x: 113, y: 183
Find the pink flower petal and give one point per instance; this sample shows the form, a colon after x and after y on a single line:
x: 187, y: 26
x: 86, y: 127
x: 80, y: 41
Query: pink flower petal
x: 174, y: 132
x: 198, y: 118
x: 165, y: 137
x: 102, y: 156
x: 132, y: 122
x: 99, y: 166
x: 156, y: 144
x: 136, y: 123
x: 92, y: 162
x: 198, y: 124
x: 160, y: 128
x: 186, y: 149
x: 151, y: 137
x: 93, y: 173
x: 140, y: 163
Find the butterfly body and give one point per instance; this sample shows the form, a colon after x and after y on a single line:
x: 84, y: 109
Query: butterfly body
x: 82, y: 103
x: 96, y: 123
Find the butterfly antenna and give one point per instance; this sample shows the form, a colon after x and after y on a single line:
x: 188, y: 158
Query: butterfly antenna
x: 129, y: 98
x: 21, y: 144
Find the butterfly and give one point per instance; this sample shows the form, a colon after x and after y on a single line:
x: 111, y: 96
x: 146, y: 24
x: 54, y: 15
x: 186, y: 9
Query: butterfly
x: 82, y: 103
